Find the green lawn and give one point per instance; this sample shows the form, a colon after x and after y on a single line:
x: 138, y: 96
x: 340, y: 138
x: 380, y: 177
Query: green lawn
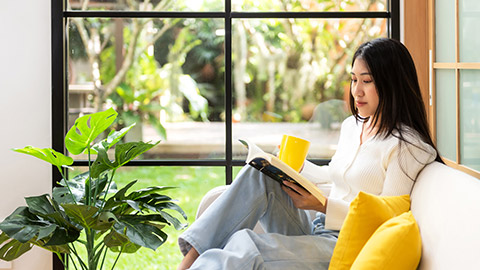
x: 192, y: 183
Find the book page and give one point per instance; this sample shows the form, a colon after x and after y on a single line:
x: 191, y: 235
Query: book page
x: 254, y: 151
x: 278, y: 170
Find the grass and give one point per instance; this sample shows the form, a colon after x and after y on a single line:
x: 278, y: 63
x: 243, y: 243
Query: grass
x: 192, y: 183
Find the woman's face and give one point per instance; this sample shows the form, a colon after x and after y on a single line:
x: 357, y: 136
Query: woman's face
x: 363, y: 89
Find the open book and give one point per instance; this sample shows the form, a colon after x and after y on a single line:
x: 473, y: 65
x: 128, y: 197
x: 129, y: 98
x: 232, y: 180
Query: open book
x: 278, y: 170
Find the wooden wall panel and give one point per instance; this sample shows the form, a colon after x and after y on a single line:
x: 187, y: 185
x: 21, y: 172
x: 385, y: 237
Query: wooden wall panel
x: 416, y: 40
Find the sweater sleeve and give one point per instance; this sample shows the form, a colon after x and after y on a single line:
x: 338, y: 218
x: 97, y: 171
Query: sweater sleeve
x: 316, y: 174
x: 337, y: 210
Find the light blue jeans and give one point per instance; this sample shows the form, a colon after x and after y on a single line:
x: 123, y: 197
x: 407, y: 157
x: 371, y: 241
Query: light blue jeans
x: 224, y: 238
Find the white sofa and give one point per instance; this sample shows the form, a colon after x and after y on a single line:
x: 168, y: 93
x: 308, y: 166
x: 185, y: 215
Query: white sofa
x: 446, y: 205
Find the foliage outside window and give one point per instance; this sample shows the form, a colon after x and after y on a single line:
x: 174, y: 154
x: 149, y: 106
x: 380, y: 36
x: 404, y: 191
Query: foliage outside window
x: 169, y: 73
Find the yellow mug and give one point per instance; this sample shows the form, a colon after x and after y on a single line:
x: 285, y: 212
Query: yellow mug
x: 293, y: 151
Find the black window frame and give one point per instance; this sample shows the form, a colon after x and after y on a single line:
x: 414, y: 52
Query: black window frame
x: 59, y: 98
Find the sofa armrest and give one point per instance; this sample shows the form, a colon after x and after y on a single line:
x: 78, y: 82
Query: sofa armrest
x: 209, y: 198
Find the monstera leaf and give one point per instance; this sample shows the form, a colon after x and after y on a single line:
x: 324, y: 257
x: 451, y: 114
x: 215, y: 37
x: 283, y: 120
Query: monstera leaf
x: 112, y: 138
x: 139, y: 231
x: 47, y: 154
x: 10, y: 249
x: 86, y: 129
x: 25, y: 226
x: 123, y: 153
x: 118, y: 242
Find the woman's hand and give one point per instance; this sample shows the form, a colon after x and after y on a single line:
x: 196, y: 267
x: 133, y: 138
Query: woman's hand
x: 302, y: 199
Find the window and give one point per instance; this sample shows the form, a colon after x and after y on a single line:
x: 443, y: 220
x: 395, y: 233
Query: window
x: 455, y: 83
x: 199, y: 75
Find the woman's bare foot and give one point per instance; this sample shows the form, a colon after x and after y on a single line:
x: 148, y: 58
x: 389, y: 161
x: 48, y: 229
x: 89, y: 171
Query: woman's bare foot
x: 188, y: 260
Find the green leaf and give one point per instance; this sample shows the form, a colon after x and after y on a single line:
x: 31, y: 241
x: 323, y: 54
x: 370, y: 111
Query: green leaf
x: 123, y: 154
x: 141, y: 234
x: 157, y: 125
x: 46, y: 154
x: 87, y: 128
x: 46, y: 231
x: 144, y: 218
x: 104, y: 221
x: 25, y: 233
x: 10, y: 249
x: 82, y: 214
x: 172, y: 206
x: 101, y: 183
x: 135, y: 205
x: 61, y: 219
x: 22, y: 225
x: 173, y: 220
x: 126, y: 92
x: 158, y: 225
x: 25, y: 226
x: 77, y: 186
x: 119, y: 197
x: 102, y: 163
x: 115, y: 239
x: 42, y: 207
x: 39, y: 205
x: 128, y: 151
x: 119, y: 242
x: 113, y: 138
x: 147, y: 191
x: 189, y: 88
x: 62, y: 236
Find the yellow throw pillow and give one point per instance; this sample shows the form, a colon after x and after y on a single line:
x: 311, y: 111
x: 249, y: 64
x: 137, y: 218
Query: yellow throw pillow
x: 366, y: 213
x: 396, y: 244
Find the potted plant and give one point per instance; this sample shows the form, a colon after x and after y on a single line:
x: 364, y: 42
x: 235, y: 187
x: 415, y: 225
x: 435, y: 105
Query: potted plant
x: 87, y: 209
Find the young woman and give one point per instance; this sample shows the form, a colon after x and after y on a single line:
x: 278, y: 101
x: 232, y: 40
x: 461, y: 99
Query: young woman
x: 382, y: 148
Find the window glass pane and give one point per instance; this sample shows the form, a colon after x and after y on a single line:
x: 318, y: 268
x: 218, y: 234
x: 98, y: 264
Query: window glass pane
x: 192, y: 184
x: 469, y: 39
x: 446, y: 113
x: 144, y: 5
x: 167, y: 76
x: 445, y: 31
x: 291, y: 76
x: 309, y: 5
x: 470, y: 118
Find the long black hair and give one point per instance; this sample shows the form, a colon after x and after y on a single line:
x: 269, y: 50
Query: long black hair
x: 400, y: 99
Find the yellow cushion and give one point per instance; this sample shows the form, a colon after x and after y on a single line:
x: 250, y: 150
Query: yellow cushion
x: 366, y: 213
x: 396, y: 244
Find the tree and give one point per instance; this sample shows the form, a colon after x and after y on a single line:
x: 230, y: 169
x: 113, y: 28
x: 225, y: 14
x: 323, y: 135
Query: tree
x: 124, y: 71
x: 283, y: 64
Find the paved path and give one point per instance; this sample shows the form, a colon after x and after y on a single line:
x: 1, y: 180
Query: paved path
x: 207, y: 140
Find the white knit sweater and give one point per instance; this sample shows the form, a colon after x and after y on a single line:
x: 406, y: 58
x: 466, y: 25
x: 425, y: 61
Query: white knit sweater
x: 378, y: 166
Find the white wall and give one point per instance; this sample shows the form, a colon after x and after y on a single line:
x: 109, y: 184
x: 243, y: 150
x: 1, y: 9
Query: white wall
x: 25, y: 83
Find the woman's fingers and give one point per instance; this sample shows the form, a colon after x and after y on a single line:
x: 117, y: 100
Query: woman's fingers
x: 301, y: 198
x: 296, y: 188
